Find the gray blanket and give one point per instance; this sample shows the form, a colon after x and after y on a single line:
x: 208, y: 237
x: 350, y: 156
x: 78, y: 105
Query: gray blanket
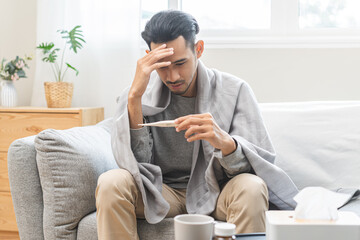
x: 234, y: 108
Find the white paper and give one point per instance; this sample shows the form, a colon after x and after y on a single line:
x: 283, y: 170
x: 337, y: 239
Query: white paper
x: 167, y: 123
x: 317, y: 203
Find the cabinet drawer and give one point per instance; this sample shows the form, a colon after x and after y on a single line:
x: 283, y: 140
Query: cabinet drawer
x: 4, y: 178
x: 9, y: 235
x: 7, y: 214
x: 18, y: 125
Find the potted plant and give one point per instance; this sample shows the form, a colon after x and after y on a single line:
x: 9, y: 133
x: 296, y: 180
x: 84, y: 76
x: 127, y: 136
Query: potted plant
x: 59, y: 93
x: 9, y: 73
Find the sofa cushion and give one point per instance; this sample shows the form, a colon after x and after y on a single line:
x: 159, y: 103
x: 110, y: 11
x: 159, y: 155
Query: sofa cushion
x: 352, y: 206
x: 164, y: 230
x: 70, y: 162
x: 87, y: 229
x: 25, y: 188
x: 317, y: 143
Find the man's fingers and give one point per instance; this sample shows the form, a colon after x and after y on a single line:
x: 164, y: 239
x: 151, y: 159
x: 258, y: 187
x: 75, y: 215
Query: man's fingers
x: 194, y: 120
x: 199, y: 136
x: 152, y: 58
x: 150, y: 63
x: 161, y: 55
x: 195, y: 130
x: 187, y: 122
x: 201, y: 115
x: 158, y: 48
x: 161, y: 64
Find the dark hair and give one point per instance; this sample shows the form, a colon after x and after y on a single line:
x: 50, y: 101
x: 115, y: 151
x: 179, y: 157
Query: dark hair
x: 168, y: 25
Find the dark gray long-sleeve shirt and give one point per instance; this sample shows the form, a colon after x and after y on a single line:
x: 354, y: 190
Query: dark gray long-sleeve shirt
x: 169, y: 149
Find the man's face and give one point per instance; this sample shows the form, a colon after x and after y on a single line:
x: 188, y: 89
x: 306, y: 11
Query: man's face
x: 180, y: 76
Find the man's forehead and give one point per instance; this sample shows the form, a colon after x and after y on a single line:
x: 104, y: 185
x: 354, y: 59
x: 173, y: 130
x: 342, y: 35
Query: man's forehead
x: 179, y: 43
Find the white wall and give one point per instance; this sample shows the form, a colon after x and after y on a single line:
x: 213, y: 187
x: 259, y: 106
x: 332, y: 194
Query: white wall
x: 275, y: 74
x: 278, y: 75
x: 18, y: 37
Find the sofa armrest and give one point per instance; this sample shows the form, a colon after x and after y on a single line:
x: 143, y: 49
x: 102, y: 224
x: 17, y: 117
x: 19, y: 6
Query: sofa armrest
x: 69, y: 163
x: 26, y: 189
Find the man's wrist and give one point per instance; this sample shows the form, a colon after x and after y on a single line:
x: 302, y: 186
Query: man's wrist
x: 135, y: 111
x: 229, y: 147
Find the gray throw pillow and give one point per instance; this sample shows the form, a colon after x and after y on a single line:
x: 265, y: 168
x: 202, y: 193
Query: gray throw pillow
x: 70, y: 162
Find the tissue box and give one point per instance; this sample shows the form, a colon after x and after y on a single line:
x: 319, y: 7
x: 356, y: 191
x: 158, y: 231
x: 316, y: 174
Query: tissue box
x: 281, y: 225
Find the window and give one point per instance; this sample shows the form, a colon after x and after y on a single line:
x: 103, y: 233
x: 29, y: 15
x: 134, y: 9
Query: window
x: 238, y: 14
x: 269, y: 23
x: 149, y: 8
x: 329, y: 14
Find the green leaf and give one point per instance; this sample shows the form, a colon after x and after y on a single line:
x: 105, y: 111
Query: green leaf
x: 77, y: 72
x: 21, y: 73
x: 5, y: 77
x: 45, y: 59
x: 62, y: 31
x: 52, y: 56
x: 10, y: 68
x: 28, y: 58
x: 2, y: 64
x: 74, y: 37
x: 46, y: 47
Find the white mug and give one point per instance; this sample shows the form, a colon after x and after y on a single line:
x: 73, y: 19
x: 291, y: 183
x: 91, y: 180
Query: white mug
x: 193, y: 227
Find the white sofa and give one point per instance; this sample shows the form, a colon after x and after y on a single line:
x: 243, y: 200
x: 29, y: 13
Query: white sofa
x: 317, y: 144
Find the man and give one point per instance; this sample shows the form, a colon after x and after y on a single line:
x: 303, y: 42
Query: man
x: 206, y: 164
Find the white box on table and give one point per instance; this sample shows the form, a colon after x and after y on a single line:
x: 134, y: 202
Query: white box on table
x: 281, y: 225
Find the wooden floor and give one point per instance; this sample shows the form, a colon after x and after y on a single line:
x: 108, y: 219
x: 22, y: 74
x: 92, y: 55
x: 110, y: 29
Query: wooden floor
x: 9, y: 235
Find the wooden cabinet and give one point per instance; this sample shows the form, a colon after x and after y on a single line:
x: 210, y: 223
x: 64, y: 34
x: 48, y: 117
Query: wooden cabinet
x: 26, y: 121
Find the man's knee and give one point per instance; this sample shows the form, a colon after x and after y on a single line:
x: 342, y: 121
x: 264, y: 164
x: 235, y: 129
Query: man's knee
x: 251, y: 189
x: 114, y: 183
x: 251, y: 184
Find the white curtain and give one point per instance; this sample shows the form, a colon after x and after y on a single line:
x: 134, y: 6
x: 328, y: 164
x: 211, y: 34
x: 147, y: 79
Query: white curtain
x: 107, y: 62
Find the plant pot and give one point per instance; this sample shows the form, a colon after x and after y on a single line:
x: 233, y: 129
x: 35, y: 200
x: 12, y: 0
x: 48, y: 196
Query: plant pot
x: 58, y: 94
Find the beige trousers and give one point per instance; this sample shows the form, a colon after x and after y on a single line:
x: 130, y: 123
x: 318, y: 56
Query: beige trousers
x: 242, y: 201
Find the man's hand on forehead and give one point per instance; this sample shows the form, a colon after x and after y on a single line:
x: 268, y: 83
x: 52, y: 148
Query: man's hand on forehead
x: 157, y: 51
x: 145, y: 66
